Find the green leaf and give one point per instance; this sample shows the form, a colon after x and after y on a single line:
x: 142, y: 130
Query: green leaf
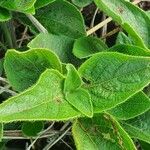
x: 123, y: 39
x: 81, y: 100
x: 1, y: 131
x: 42, y: 3
x: 31, y: 129
x: 128, y: 16
x: 100, y: 132
x: 24, y: 68
x: 17, y: 5
x: 73, y: 80
x: 86, y: 46
x: 111, y: 78
x: 61, y: 45
x: 43, y: 101
x: 130, y: 50
x: 82, y: 3
x: 4, y: 15
x: 139, y: 127
x: 62, y: 18
x: 134, y: 106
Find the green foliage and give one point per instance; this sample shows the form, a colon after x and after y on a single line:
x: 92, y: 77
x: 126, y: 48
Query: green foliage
x: 125, y: 14
x: 102, y: 131
x: 61, y: 45
x: 66, y: 75
x: 31, y: 129
x: 126, y: 111
x: 17, y: 5
x: 24, y: 68
x: 87, y: 46
x: 113, y: 78
x: 139, y: 127
x: 82, y: 3
x: 4, y: 14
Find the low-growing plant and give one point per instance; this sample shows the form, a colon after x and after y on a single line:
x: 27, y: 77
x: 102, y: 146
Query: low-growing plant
x: 66, y: 75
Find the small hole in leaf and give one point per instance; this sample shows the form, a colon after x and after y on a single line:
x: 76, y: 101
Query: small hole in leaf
x: 86, y: 81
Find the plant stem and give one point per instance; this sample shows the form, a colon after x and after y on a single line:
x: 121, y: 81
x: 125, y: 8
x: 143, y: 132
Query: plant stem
x: 37, y: 24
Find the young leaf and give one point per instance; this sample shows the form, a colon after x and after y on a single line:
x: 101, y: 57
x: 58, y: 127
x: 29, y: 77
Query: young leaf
x: 112, y: 78
x: 61, y: 45
x: 31, y: 129
x: 123, y: 39
x: 100, y: 132
x: 1, y: 131
x: 139, y: 127
x: 17, y: 5
x: 86, y: 46
x: 43, y: 101
x: 4, y: 15
x: 73, y: 80
x: 130, y: 50
x: 81, y: 100
x: 82, y: 3
x: 24, y: 68
x: 42, y: 3
x: 134, y: 106
x: 128, y: 16
x: 62, y: 18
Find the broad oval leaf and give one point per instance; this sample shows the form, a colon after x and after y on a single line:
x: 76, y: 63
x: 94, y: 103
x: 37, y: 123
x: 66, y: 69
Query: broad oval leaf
x: 24, y: 68
x: 101, y: 132
x: 62, y: 18
x: 4, y: 15
x: 111, y: 78
x: 44, y: 101
x: 129, y: 17
x: 86, y: 46
x: 60, y: 44
x: 139, y: 127
x: 31, y: 129
x: 17, y: 5
x: 134, y: 106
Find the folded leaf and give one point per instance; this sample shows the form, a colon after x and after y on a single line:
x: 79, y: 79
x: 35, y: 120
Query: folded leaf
x: 139, y: 127
x: 111, y: 78
x: 134, y: 106
x: 24, y: 68
x: 81, y: 100
x: 86, y: 46
x: 4, y: 15
x: 61, y: 45
x: 131, y: 18
x: 73, y: 80
x: 17, y: 5
x: 43, y: 101
x: 100, y: 132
